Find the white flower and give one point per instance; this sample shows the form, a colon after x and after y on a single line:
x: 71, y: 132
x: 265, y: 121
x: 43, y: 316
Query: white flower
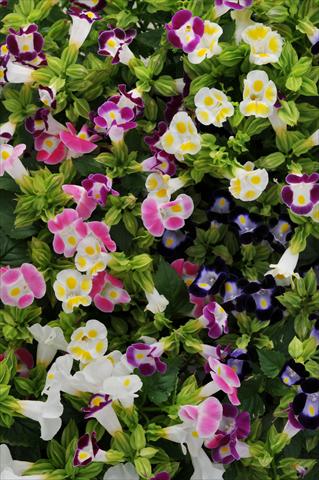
x: 81, y: 27
x: 124, y: 471
x: 213, y: 107
x: 7, y: 130
x: 265, y: 44
x: 156, y: 302
x: 47, y: 413
x: 14, y: 469
x: 89, y: 257
x: 17, y: 73
x: 208, y: 45
x: 72, y: 289
x: 283, y: 271
x: 248, y: 184
x: 161, y: 187
x: 181, y: 137
x: 88, y: 342
x: 123, y: 388
x: 59, y: 377
x: 50, y: 340
x: 259, y: 96
x: 205, y: 469
x: 242, y: 21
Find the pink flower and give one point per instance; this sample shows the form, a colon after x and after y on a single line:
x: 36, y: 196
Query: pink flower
x: 204, y: 418
x: 224, y: 378
x: 85, y: 204
x: 113, y: 120
x: 98, y: 187
x: 185, y: 270
x: 19, y: 286
x: 170, y: 216
x: 107, y: 292
x: 78, y: 144
x: 50, y: 148
x: 10, y: 162
x: 102, y: 232
x: 68, y: 229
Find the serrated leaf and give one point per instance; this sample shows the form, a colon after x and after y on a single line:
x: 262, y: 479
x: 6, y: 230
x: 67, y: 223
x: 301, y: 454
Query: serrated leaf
x: 271, y: 362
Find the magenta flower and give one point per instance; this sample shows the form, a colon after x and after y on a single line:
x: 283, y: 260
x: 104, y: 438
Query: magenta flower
x: 98, y: 187
x: 3, y: 3
x: 203, y: 419
x: 25, y: 45
x: 19, y: 286
x: 146, y: 358
x: 224, y: 378
x: 114, y: 120
x: 38, y: 123
x: 82, y: 21
x: 302, y: 192
x: 102, y: 232
x: 236, y: 5
x: 161, y: 476
x: 131, y: 99
x: 114, y: 43
x: 47, y: 96
x: 68, y: 229
x: 78, y: 143
x: 185, y: 31
x: 160, y: 162
x: 186, y: 270
x: 24, y: 361
x: 86, y: 450
x: 215, y: 319
x: 10, y: 161
x: 93, y: 5
x: 97, y: 402
x: 51, y: 150
x: 107, y: 291
x: 85, y: 205
x: 170, y: 215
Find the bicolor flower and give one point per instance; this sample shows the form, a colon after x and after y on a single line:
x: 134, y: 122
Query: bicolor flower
x: 13, y: 72
x: 14, y: 469
x: 280, y: 232
x: 161, y: 161
x: 88, y: 342
x: 86, y: 450
x: 89, y: 257
x: 259, y: 95
x: 100, y: 408
x: 170, y: 215
x: 47, y: 413
x: 315, y: 329
x: 85, y: 205
x: 235, y: 4
x: 247, y: 183
x: 248, y: 226
x: 43, y: 122
x: 24, y: 362
x: 146, y: 358
x: 102, y: 232
x: 122, y: 471
x: 7, y: 130
x: 208, y: 44
x: 50, y: 340
x: 265, y: 44
x: 214, y: 318
x: 238, y: 361
x: 93, y: 5
x: 161, y: 187
x: 172, y: 242
x: 107, y: 292
x: 185, y: 31
x: 186, y: 270
x: 113, y: 120
x: 212, y: 107
x: 224, y: 379
x: 68, y: 229
x: 132, y: 99
x: 283, y: 271
x: 293, y: 373
x: 21, y: 285
x: 209, y: 279
x: 161, y: 476
x: 302, y: 192
x: 98, y: 187
x: 25, y: 44
x: 82, y: 21
x: 50, y: 149
x: 47, y: 96
x: 123, y: 388
x: 10, y: 161
x: 306, y: 404
x: 114, y: 43
x: 72, y: 289
x: 80, y: 143
x: 181, y: 138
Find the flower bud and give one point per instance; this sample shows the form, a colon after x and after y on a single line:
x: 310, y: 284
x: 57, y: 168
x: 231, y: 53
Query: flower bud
x: 143, y: 467
x: 166, y: 86
x: 137, y: 438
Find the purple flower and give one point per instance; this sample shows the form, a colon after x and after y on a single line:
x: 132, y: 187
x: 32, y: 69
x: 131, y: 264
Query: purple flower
x: 47, y: 96
x: 93, y: 5
x: 115, y: 43
x: 302, y: 193
x: 248, y: 226
x: 160, y: 162
x: 238, y: 361
x: 209, y: 279
x: 96, y: 403
x: 236, y: 5
x: 3, y: 3
x: 86, y: 450
x: 152, y: 140
x: 131, y: 99
x: 7, y: 130
x: 306, y: 404
x: 38, y: 123
x: 315, y: 329
x: 293, y: 373
x: 280, y: 232
x: 215, y: 319
x: 146, y: 358
x: 161, y: 476
x: 25, y: 44
x: 98, y: 187
x: 185, y: 31
x: 113, y: 120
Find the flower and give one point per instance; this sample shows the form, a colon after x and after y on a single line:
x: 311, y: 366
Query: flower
x: 283, y: 271
x: 160, y: 162
x: 146, y: 358
x: 156, y: 302
x: 265, y: 44
x: 100, y: 408
x: 181, y: 137
x: 78, y: 144
x: 186, y: 270
x: 50, y: 340
x: 59, y: 377
x: 88, y: 342
x: 20, y: 286
x: 86, y: 450
x: 50, y: 149
x: 82, y: 21
x: 14, y: 469
x: 113, y: 120
x: 306, y: 404
x: 259, y: 96
x: 293, y: 373
x: 48, y: 96
x: 123, y: 388
x: 224, y: 378
x: 89, y: 257
x: 98, y: 187
x: 208, y: 279
x: 93, y: 5
x: 115, y: 43
x: 68, y: 229
x: 247, y: 183
x: 85, y: 205
x: 302, y: 192
x: 236, y: 4
x: 213, y: 107
x: 108, y: 291
x: 10, y: 162
x: 43, y: 122
x: 47, y: 413
x: 14, y: 72
x: 170, y: 215
x: 124, y: 471
x: 204, y: 468
x: 248, y: 226
x: 25, y: 44
x: 7, y: 130
x: 208, y: 44
x: 185, y: 31
x: 132, y: 99
x: 72, y: 289
x: 214, y: 318
x: 161, y: 187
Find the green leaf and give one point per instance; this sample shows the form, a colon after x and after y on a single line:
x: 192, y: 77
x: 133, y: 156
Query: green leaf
x: 69, y: 433
x: 271, y: 362
x: 56, y: 454
x: 165, y: 384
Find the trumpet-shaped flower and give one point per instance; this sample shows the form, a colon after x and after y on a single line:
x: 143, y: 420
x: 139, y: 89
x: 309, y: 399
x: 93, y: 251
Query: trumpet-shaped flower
x: 204, y: 468
x: 100, y: 407
x: 10, y: 161
x: 265, y: 44
x: 47, y: 96
x: 50, y: 149
x: 214, y: 318
x: 123, y: 388
x: 50, y: 340
x: 208, y: 279
x: 161, y: 187
x: 146, y: 358
x: 185, y: 31
x: 114, y: 43
x: 101, y: 231
x: 107, y: 292
x: 181, y: 138
x: 88, y: 342
x: 113, y: 120
x: 13, y: 72
x: 14, y: 469
x: 78, y: 143
x: 283, y: 271
x: 124, y: 471
x: 98, y: 187
x: 235, y: 4
x: 93, y: 5
x: 72, y: 289
x: 160, y: 162
x: 68, y: 229
x: 208, y: 44
x: 248, y: 184
x: 132, y: 99
x: 156, y: 302
x: 302, y: 192
x: 224, y: 378
x: 213, y: 107
x: 86, y: 450
x: 85, y: 205
x: 89, y: 257
x: 82, y: 21
x: 306, y: 404
x: 7, y: 130
x: 59, y: 377
x: 170, y: 215
x: 25, y: 44
x: 19, y: 286
x: 259, y: 96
